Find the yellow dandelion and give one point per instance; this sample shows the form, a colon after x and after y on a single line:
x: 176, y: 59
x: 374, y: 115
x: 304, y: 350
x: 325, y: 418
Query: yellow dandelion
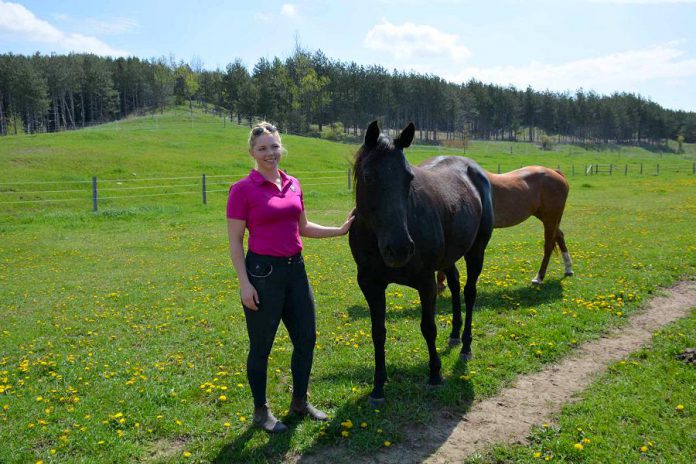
x: 643, y: 449
x: 537, y: 454
x: 586, y: 440
x: 242, y: 419
x: 222, y: 398
x: 363, y: 425
x: 187, y: 454
x: 680, y: 407
x: 387, y: 443
x: 347, y: 424
x: 345, y: 434
x: 578, y: 446
x: 227, y: 424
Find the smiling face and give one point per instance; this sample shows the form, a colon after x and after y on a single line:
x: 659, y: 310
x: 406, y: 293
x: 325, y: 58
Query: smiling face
x: 266, y: 151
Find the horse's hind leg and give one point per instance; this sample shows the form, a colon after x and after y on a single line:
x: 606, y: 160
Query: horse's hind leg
x: 550, y: 229
x: 428, y: 297
x: 474, y: 265
x: 452, y: 274
x: 568, y: 263
x: 441, y: 285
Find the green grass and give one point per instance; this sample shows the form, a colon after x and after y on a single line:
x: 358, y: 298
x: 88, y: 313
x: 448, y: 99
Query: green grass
x: 642, y: 410
x: 126, y: 323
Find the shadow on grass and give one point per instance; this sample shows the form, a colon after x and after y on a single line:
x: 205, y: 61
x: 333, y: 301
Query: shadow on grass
x: 489, y: 299
x: 413, y: 410
x: 239, y: 450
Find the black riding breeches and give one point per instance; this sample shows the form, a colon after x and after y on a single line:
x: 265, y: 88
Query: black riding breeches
x: 284, y: 294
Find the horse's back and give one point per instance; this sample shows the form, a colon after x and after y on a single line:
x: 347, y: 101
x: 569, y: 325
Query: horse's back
x: 531, y: 190
x: 465, y: 194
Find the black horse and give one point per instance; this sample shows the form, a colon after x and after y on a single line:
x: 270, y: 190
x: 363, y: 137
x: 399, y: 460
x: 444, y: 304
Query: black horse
x: 411, y: 221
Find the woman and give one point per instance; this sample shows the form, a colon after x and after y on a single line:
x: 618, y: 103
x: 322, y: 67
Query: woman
x: 272, y: 279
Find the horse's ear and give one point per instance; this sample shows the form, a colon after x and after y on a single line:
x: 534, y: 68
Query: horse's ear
x: 406, y: 136
x: 372, y: 134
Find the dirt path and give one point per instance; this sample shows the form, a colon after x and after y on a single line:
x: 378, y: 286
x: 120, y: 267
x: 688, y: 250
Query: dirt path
x: 534, y: 399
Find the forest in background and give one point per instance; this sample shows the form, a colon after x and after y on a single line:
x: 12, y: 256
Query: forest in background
x: 311, y: 94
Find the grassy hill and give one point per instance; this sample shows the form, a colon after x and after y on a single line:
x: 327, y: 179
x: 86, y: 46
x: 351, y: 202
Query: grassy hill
x: 122, y: 337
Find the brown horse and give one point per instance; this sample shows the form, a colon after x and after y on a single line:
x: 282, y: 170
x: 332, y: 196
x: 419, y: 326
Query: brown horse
x: 531, y: 191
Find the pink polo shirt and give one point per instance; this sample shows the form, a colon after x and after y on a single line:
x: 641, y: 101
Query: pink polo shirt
x: 272, y: 216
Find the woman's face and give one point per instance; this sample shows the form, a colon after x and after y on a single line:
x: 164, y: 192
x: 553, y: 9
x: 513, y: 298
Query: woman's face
x: 266, y: 151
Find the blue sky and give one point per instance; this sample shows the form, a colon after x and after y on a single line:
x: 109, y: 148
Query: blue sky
x: 642, y: 46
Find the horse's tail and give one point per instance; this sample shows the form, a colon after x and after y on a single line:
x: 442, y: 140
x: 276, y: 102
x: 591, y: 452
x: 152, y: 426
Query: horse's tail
x: 483, y: 185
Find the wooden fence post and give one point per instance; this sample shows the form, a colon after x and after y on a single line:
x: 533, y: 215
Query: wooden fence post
x: 95, y: 205
x: 205, y: 202
x: 349, y: 179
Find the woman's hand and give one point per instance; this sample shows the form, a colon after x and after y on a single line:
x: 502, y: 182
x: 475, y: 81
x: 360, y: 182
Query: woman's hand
x: 346, y: 225
x: 250, y: 298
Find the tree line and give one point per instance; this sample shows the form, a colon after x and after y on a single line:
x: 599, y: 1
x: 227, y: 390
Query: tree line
x: 309, y: 93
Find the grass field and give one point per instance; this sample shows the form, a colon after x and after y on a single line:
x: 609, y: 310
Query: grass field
x: 122, y: 338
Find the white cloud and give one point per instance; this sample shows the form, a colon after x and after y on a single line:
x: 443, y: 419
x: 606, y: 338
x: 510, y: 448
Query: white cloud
x: 289, y: 10
x: 615, y: 72
x: 20, y: 24
x: 410, y: 41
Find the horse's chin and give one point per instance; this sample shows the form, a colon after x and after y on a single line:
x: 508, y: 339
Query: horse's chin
x: 396, y: 263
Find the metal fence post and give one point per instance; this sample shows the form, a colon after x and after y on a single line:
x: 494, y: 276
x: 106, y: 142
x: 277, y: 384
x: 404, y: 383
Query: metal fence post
x: 95, y: 206
x: 205, y: 202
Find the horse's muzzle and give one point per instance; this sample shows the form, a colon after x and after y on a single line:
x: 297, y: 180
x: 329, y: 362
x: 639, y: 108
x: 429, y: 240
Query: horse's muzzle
x: 398, y: 255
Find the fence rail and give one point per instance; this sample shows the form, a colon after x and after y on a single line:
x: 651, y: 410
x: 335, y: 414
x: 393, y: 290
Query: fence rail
x: 123, y: 188
x: 13, y: 193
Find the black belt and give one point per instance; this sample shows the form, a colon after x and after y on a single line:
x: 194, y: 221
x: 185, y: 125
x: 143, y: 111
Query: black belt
x: 277, y: 260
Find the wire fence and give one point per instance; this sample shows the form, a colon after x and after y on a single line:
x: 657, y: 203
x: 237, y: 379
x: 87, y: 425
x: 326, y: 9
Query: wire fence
x: 98, y: 191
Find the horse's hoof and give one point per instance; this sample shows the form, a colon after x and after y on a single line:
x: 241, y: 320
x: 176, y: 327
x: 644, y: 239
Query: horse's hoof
x: 375, y: 402
x: 455, y: 342
x: 468, y: 356
x: 569, y: 273
x: 536, y: 282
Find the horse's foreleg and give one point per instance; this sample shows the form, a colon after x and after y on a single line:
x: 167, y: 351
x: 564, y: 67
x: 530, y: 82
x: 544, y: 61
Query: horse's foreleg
x: 474, y: 265
x: 560, y: 240
x: 455, y: 289
x: 428, y: 296
x: 550, y: 229
x: 375, y: 297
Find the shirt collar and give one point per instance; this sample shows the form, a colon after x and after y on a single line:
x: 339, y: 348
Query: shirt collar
x: 258, y: 178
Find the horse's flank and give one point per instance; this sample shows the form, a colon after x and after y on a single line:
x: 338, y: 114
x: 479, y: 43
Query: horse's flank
x: 529, y: 191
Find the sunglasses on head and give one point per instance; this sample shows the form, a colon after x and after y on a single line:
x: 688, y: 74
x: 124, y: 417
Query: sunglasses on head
x: 261, y: 129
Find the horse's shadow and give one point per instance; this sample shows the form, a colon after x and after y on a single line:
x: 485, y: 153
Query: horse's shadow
x: 425, y: 433
x: 493, y: 299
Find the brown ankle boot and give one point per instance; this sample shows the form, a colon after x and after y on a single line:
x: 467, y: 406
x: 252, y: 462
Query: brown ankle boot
x: 264, y: 418
x: 302, y: 407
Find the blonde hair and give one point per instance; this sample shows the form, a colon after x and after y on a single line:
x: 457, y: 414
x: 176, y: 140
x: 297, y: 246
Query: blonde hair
x: 262, y: 128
